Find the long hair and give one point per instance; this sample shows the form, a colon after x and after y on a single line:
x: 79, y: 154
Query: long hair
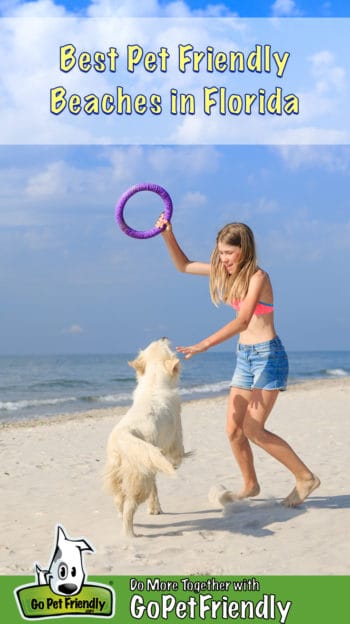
x: 223, y: 286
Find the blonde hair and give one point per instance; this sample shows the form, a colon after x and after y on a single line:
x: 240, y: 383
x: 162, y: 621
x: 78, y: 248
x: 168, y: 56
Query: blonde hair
x: 223, y: 286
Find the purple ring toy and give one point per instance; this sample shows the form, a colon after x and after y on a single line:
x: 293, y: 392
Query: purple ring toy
x: 145, y: 186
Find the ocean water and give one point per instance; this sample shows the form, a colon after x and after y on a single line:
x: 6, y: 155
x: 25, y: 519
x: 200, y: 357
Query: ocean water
x: 44, y: 386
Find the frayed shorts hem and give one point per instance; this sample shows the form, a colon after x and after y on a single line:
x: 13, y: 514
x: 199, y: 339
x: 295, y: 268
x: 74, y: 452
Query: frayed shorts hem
x: 234, y: 385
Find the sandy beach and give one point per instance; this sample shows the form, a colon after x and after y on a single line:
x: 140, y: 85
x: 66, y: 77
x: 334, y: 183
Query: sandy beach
x: 51, y: 473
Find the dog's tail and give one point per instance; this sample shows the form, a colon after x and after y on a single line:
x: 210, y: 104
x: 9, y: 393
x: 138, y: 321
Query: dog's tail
x: 146, y: 457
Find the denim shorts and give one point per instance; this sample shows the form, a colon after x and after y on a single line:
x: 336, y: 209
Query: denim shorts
x: 263, y: 365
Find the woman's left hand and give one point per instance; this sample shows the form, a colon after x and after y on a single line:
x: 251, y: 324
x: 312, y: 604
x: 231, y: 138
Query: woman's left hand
x: 200, y: 347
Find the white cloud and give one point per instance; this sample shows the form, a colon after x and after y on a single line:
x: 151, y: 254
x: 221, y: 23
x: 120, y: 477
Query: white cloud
x: 334, y: 159
x: 285, y: 8
x: 154, y: 8
x: 111, y: 8
x: 128, y: 8
x: 51, y: 181
x: 60, y: 180
x: 308, y: 238
x: 73, y: 330
x: 125, y: 162
x: 195, y: 198
x: 187, y: 161
x: 267, y: 206
x: 328, y: 74
x: 40, y: 8
x: 323, y: 109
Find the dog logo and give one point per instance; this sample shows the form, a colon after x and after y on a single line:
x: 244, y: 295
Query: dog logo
x: 61, y: 589
x: 66, y: 573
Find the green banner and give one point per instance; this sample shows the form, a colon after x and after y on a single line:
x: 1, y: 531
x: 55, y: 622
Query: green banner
x: 173, y: 599
x: 39, y: 601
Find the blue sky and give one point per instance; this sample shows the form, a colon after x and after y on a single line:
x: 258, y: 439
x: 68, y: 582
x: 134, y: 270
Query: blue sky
x: 243, y: 8
x: 71, y: 281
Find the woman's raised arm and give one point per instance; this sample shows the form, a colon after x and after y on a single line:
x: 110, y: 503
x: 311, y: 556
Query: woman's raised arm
x: 179, y: 258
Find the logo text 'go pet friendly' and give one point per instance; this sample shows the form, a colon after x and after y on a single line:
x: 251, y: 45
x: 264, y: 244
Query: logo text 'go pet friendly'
x: 60, y: 590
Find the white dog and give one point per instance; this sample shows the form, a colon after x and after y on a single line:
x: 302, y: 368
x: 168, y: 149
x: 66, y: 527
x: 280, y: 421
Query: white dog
x: 148, y: 438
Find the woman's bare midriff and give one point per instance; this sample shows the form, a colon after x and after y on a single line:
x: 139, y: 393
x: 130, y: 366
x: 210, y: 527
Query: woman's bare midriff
x: 260, y: 329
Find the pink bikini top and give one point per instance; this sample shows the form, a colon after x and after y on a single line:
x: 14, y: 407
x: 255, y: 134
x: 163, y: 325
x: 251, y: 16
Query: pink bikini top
x: 261, y: 307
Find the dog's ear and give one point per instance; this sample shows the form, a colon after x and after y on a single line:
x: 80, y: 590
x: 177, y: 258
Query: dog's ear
x: 173, y: 365
x: 138, y: 365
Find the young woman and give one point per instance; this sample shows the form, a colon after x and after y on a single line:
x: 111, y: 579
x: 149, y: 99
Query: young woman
x: 262, y: 364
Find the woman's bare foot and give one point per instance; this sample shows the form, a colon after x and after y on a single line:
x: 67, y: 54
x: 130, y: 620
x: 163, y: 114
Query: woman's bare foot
x: 248, y: 492
x: 302, y: 490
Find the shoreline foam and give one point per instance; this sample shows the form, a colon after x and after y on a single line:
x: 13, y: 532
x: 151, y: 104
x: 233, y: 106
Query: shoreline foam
x: 121, y: 409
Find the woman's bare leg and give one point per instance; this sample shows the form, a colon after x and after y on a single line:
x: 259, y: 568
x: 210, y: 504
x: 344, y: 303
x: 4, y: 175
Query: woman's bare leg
x: 237, y: 406
x: 259, y: 408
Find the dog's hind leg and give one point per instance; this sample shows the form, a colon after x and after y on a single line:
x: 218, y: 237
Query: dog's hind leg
x: 119, y: 503
x: 154, y: 507
x: 129, y: 509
